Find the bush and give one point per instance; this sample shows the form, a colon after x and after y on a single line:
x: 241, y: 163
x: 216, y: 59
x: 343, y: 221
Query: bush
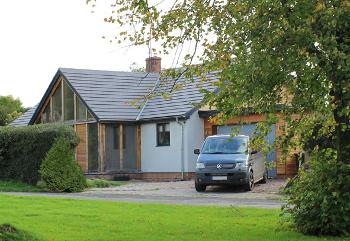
x: 319, y: 198
x: 23, y: 148
x: 10, y: 233
x: 59, y: 170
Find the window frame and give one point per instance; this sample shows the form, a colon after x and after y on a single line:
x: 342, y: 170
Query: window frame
x: 158, y: 133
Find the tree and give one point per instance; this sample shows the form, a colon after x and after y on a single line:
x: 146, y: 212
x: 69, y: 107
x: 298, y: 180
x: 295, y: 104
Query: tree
x: 10, y: 109
x: 288, y: 57
x: 59, y: 170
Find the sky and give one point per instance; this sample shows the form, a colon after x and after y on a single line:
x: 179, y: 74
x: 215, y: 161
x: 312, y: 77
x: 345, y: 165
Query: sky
x: 39, y: 36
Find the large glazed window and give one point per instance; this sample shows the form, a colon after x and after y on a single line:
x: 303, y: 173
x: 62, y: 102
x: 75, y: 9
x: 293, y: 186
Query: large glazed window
x: 121, y: 147
x: 112, y: 147
x: 46, y: 116
x: 68, y: 102
x: 90, y: 116
x: 81, y: 110
x: 93, y: 147
x: 130, y: 147
x: 57, y: 105
x: 65, y: 105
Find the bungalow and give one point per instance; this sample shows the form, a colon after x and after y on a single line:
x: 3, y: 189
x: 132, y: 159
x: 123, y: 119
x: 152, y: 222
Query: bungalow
x: 116, y: 139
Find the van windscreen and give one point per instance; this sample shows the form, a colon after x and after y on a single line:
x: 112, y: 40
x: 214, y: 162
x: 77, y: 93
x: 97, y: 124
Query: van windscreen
x: 219, y: 145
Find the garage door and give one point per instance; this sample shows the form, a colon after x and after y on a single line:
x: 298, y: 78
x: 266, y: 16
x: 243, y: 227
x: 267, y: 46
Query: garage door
x: 249, y: 130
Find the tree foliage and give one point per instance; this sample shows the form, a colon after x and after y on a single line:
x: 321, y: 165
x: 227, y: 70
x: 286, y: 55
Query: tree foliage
x: 292, y: 53
x: 286, y: 59
x: 10, y: 109
x: 319, y: 199
x: 22, y: 149
x: 59, y: 170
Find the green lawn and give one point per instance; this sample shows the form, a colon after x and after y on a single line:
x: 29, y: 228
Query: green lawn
x: 14, y: 186
x: 67, y: 219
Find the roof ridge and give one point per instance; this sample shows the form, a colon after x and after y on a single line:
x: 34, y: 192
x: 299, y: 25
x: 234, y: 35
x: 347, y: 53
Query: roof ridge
x: 62, y: 69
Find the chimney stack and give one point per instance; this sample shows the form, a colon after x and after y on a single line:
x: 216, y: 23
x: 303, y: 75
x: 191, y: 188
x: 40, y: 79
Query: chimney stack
x: 153, y: 64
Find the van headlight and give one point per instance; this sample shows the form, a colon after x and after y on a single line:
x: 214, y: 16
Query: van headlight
x: 200, y: 165
x: 242, y: 164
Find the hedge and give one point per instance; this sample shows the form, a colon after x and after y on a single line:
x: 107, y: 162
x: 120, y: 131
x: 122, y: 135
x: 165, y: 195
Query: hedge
x: 23, y: 148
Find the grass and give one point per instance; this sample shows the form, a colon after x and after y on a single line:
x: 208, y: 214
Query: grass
x: 71, y: 219
x: 14, y: 186
x: 10, y: 233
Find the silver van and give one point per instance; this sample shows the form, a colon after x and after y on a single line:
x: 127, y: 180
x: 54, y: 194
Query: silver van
x: 226, y: 160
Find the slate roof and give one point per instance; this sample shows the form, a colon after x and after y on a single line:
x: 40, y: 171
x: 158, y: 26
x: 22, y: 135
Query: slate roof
x: 24, y: 119
x: 108, y: 94
x: 181, y: 103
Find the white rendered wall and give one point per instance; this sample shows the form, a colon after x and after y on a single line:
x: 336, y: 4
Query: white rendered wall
x: 160, y: 158
x: 168, y: 158
x: 194, y: 137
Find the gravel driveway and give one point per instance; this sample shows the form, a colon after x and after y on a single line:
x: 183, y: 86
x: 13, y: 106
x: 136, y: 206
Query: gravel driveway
x: 182, y: 192
x: 269, y: 190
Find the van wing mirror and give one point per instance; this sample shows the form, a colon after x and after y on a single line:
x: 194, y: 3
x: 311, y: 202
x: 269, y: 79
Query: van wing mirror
x: 196, y: 151
x: 253, y: 152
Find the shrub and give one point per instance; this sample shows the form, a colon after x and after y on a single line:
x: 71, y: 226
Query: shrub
x: 10, y: 233
x: 319, y: 198
x: 59, y: 170
x: 23, y: 148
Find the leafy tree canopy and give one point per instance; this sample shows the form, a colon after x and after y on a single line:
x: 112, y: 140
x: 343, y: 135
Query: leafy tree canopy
x: 289, y: 57
x: 285, y: 58
x: 10, y: 109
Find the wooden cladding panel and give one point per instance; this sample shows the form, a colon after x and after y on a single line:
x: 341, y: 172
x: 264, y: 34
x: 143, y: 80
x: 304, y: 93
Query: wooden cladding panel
x: 81, y: 151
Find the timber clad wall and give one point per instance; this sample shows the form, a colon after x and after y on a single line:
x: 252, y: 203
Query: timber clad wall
x: 81, y: 151
x: 284, y: 168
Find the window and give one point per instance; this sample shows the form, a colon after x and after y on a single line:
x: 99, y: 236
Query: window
x: 93, y: 147
x: 222, y: 145
x: 129, y: 143
x: 46, y: 116
x: 163, y: 134
x: 112, y: 152
x: 90, y: 116
x: 81, y: 110
x: 57, y: 105
x: 116, y: 137
x: 68, y: 102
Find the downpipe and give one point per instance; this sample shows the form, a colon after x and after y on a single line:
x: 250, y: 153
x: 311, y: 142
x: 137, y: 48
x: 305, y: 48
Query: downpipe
x: 182, y: 124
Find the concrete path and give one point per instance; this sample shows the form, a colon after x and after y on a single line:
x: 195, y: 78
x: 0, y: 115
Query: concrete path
x: 182, y: 192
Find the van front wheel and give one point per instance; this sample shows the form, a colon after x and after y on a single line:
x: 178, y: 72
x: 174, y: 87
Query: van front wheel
x: 200, y: 187
x: 250, y: 184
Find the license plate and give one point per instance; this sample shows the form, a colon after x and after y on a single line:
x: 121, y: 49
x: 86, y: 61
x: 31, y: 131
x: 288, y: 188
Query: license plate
x: 219, y: 178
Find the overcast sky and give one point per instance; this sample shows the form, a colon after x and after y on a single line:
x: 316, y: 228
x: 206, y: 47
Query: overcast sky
x: 39, y: 36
